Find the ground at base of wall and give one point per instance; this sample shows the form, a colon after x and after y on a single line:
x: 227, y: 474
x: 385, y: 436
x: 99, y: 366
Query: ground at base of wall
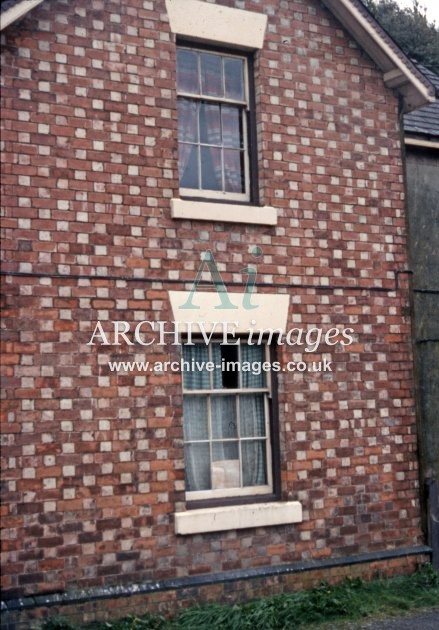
x: 424, y: 619
x: 348, y: 598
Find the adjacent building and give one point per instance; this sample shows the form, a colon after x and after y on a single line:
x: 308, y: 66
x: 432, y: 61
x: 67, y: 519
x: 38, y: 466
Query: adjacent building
x: 422, y: 171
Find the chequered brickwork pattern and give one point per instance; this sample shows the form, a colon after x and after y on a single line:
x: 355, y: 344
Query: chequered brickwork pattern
x: 93, y: 460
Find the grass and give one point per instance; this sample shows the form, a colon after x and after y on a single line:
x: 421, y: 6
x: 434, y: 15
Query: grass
x: 349, y: 601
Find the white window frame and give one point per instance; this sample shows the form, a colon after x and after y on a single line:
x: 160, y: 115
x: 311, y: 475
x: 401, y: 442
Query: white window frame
x: 245, y: 105
x: 243, y: 491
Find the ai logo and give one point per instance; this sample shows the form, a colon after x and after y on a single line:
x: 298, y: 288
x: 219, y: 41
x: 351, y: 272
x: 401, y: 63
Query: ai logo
x: 226, y: 303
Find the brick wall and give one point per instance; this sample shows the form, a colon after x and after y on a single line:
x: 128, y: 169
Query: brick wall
x: 171, y: 601
x: 93, y: 460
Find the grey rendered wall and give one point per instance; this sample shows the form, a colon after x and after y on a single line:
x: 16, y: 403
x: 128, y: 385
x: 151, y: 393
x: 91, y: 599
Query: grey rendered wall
x: 423, y: 217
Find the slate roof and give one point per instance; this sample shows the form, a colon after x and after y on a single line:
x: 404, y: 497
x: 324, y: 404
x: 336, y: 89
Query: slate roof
x: 7, y: 4
x: 425, y: 120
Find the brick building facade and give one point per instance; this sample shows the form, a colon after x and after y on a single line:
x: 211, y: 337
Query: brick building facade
x: 96, y: 229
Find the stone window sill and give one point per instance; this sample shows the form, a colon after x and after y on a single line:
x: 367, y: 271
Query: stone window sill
x: 224, y: 212
x: 237, y: 517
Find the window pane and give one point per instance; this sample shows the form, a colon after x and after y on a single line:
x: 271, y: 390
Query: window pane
x: 254, y: 465
x: 195, y: 418
x: 187, y: 121
x: 187, y: 71
x: 234, y: 78
x: 225, y: 450
x: 197, y: 465
x: 226, y: 434
x: 232, y: 127
x: 224, y: 423
x: 226, y: 474
x: 233, y: 170
x: 188, y: 165
x: 210, y: 124
x: 253, y: 357
x: 252, y: 415
x: 217, y: 375
x: 195, y: 378
x: 211, y: 75
x: 227, y: 356
x: 211, y: 169
x: 225, y: 465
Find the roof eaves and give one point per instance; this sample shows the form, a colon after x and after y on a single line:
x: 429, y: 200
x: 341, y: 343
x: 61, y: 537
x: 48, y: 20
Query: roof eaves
x: 422, y: 141
x: 16, y: 11
x: 399, y: 72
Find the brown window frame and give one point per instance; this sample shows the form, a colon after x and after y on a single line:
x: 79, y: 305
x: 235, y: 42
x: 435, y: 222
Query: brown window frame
x: 251, y: 127
x: 274, y: 439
